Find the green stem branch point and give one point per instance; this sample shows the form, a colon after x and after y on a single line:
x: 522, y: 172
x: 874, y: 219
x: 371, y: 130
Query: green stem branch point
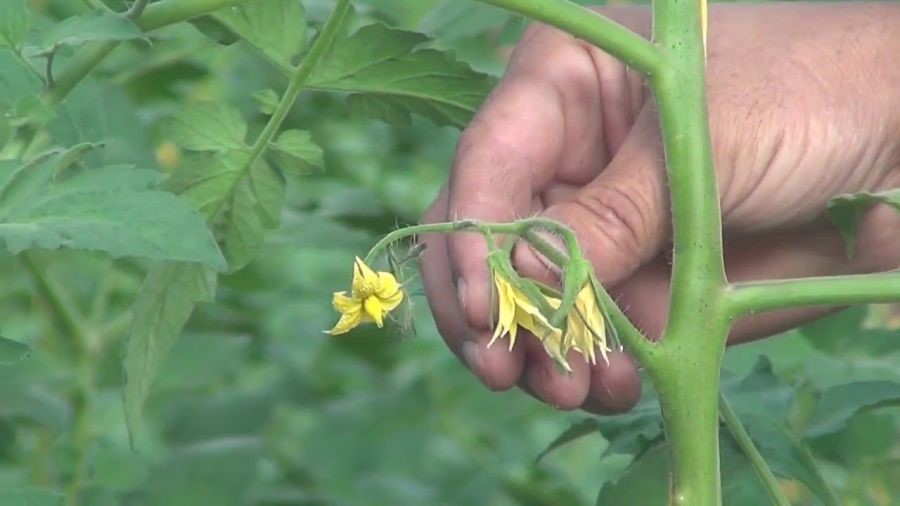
x: 586, y: 24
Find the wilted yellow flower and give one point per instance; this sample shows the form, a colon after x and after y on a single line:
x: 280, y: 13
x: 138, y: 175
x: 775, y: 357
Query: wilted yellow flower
x: 373, y: 295
x: 516, y: 310
x: 585, y: 326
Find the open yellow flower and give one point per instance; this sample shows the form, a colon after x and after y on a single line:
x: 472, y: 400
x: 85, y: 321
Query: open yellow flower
x: 373, y: 295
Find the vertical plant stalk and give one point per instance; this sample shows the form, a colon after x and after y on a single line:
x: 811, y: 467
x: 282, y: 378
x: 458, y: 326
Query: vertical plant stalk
x: 694, y: 341
x: 685, y: 367
x: 73, y: 322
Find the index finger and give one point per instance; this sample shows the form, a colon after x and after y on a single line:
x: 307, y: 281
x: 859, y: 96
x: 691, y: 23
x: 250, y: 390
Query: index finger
x: 517, y: 145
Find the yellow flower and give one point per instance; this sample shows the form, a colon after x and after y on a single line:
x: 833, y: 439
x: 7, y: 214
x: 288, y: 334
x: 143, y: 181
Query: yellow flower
x: 372, y: 297
x: 516, y: 310
x: 585, y: 326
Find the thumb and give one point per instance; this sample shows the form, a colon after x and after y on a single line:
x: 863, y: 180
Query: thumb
x: 621, y: 218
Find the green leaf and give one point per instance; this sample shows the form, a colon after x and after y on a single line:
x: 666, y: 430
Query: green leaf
x: 389, y: 75
x: 244, y: 204
x: 16, y: 83
x: 165, y: 302
x: 645, y: 482
x: 216, y: 472
x: 845, y: 212
x: 297, y: 154
x: 785, y: 454
x: 92, y: 26
x: 31, y: 497
x: 832, y: 411
x: 266, y: 100
x: 14, y: 22
x: 276, y: 27
x: 208, y: 127
x: 577, y: 430
x: 12, y: 351
x: 110, y: 209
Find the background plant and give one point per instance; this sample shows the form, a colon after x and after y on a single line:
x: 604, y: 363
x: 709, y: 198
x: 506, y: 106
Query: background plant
x: 251, y: 405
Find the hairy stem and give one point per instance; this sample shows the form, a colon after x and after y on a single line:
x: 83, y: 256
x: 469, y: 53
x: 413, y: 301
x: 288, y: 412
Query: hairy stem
x: 745, y: 443
x: 586, y: 24
x: 326, y: 36
x: 748, y: 298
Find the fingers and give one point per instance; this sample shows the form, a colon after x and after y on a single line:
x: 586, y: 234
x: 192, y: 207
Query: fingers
x: 550, y: 121
x: 497, y: 367
x: 621, y: 218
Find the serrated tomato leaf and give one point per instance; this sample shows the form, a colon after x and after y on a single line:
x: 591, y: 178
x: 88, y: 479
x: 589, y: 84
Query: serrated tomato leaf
x: 165, y: 302
x: 114, y: 209
x: 390, y: 74
x: 837, y: 404
x: 14, y: 22
x: 208, y: 127
x: 297, y: 154
x: 242, y: 204
x: 276, y: 27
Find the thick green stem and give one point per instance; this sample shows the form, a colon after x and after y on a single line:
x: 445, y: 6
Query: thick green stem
x: 748, y: 298
x: 745, y: 443
x: 326, y: 36
x: 698, y: 273
x: 687, y: 383
x: 586, y: 24
x: 157, y: 15
x: 692, y: 345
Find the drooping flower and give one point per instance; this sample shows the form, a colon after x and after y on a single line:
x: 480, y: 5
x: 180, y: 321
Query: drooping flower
x: 516, y: 310
x: 585, y: 326
x: 372, y: 296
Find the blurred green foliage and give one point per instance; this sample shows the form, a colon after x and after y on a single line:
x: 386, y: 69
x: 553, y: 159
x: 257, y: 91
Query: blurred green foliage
x: 255, y: 406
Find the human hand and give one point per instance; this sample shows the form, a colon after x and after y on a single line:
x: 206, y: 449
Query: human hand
x: 803, y: 106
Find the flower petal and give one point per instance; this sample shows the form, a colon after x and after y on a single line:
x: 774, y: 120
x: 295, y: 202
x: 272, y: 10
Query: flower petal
x: 347, y: 322
x: 386, y: 286
x: 375, y: 309
x: 364, y: 279
x: 506, y: 311
x: 343, y: 304
x: 393, y: 301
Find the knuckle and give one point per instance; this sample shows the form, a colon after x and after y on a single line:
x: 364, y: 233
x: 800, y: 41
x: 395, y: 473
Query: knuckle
x: 619, y: 217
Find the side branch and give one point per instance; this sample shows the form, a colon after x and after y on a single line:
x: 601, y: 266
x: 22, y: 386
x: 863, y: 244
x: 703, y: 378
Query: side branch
x: 624, y: 44
x: 154, y: 16
x: 747, y: 298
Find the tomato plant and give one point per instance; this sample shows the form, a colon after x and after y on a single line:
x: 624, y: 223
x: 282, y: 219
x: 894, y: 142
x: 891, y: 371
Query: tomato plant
x: 183, y: 182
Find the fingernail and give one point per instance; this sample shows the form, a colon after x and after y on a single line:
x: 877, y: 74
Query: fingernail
x: 461, y: 292
x: 472, y: 355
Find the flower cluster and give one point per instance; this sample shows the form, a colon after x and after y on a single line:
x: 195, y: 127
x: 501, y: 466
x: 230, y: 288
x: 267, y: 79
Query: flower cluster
x: 374, y: 295
x: 585, y: 329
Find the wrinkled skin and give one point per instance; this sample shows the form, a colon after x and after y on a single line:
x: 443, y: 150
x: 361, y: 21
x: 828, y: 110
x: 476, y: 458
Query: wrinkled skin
x: 804, y: 105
